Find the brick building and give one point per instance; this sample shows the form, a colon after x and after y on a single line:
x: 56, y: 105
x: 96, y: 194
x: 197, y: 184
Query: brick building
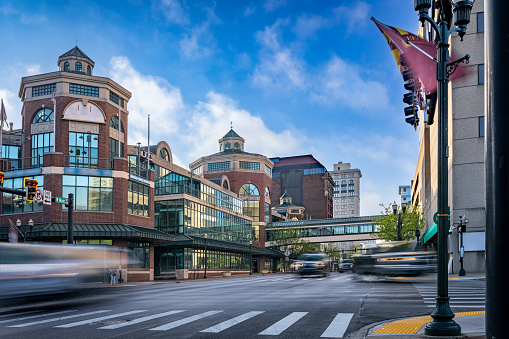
x: 138, y: 201
x: 307, y: 181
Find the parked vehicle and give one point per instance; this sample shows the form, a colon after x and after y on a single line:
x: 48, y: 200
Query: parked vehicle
x: 396, y: 258
x: 345, y: 265
x: 314, y: 264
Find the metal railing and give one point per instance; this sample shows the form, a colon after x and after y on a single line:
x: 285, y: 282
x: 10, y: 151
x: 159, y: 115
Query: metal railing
x: 139, y: 171
x: 21, y: 163
x: 88, y: 162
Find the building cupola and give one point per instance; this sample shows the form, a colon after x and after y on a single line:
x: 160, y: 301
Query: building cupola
x: 75, y: 61
x: 231, y: 141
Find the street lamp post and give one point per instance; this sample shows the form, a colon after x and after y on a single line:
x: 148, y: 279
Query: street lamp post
x: 205, y: 275
x: 395, y: 210
x: 442, y: 323
x: 120, y: 250
x: 461, y: 229
x: 250, y: 257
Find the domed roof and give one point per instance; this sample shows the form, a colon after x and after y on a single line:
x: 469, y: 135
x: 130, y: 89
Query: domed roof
x: 75, y: 51
x: 231, y: 134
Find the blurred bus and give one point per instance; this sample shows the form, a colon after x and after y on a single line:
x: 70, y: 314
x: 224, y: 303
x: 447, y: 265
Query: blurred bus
x: 27, y: 269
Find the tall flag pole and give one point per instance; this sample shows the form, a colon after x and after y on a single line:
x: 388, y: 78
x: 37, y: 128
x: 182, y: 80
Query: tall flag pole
x: 148, y: 142
x: 3, y: 117
x: 119, y: 124
x: 54, y: 100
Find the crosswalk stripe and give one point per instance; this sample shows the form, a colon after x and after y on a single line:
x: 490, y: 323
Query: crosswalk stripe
x: 88, y: 321
x: 58, y: 319
x: 283, y: 324
x: 35, y: 316
x: 229, y: 323
x: 20, y: 313
x: 338, y: 326
x: 458, y: 298
x: 139, y: 320
x: 184, y: 321
x: 462, y: 306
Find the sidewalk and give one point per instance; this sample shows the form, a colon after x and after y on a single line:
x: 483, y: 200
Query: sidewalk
x: 471, y: 323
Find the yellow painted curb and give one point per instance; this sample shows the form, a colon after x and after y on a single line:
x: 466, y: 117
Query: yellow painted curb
x: 413, y: 325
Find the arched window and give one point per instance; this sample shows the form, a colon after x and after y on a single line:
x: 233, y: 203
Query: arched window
x: 228, y: 146
x: 236, y: 145
x: 343, y: 182
x: 66, y: 66
x: 267, y: 193
x: 43, y: 115
x: 163, y: 154
x: 78, y: 67
x: 249, y: 189
x: 225, y: 184
x: 114, y: 124
x: 89, y: 70
x: 350, y: 182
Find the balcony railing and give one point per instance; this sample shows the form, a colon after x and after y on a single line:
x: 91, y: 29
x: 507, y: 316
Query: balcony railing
x: 88, y: 162
x: 139, y: 171
x: 21, y: 163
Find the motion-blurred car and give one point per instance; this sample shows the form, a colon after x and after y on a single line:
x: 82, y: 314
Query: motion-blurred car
x: 396, y: 258
x: 314, y: 264
x: 345, y: 265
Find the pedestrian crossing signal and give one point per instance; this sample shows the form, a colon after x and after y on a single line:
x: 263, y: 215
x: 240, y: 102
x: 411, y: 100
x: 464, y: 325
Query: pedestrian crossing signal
x: 31, y: 188
x: 1, y: 178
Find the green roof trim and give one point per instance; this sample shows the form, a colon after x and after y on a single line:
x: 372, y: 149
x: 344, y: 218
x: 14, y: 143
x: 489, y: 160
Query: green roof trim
x: 432, y: 230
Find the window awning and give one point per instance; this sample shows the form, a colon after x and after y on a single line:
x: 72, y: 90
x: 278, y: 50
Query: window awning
x: 431, y: 231
x: 85, y: 230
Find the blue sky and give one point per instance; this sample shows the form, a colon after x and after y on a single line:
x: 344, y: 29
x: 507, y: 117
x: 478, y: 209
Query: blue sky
x: 294, y: 76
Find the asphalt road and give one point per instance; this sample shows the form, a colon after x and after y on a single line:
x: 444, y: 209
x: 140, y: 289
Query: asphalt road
x: 285, y: 306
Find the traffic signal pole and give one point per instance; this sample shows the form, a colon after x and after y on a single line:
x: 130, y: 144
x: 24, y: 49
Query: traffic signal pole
x: 70, y: 225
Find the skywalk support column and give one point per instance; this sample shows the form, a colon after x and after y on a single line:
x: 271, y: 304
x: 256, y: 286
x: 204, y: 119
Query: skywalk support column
x: 497, y: 165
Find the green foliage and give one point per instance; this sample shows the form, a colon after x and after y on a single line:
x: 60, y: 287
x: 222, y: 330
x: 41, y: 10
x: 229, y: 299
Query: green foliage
x: 412, y: 219
x: 290, y: 239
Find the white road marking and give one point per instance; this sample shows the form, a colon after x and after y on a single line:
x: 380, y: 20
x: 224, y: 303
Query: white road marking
x: 229, y: 323
x: 338, y: 326
x: 283, y: 324
x: 139, y: 320
x: 184, y: 321
x: 88, y: 321
x: 35, y: 316
x: 58, y: 319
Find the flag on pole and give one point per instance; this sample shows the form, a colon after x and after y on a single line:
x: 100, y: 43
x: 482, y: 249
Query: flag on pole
x: 412, y: 51
x: 3, y: 114
x: 54, y: 97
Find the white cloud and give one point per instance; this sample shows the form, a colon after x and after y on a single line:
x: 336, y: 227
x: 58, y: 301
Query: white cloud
x: 32, y: 69
x: 151, y: 95
x: 342, y: 81
x: 307, y: 26
x: 9, y: 100
x: 272, y: 5
x: 174, y: 12
x: 198, y: 43
x: 354, y: 16
x: 250, y: 10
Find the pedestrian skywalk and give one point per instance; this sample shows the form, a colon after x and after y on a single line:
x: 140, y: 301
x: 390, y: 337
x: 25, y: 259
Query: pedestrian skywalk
x: 460, y: 297
x: 168, y: 320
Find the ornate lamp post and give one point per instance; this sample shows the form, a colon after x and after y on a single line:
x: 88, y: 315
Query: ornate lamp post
x: 205, y: 275
x: 442, y: 323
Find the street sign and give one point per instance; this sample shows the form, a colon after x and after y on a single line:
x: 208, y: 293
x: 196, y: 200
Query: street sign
x: 61, y: 200
x: 38, y: 195
x: 287, y: 253
x: 46, y: 197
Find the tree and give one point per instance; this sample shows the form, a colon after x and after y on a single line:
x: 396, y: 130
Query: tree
x: 290, y: 238
x: 412, y: 219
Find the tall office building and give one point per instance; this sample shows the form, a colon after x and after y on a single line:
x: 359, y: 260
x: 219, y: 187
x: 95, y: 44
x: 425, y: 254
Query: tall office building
x: 466, y: 148
x: 347, y: 195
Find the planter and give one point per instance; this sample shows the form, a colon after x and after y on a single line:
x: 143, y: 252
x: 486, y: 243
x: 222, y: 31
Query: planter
x: 227, y: 274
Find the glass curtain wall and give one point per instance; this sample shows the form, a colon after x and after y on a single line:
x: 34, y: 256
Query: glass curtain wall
x: 90, y: 193
x: 83, y: 150
x: 41, y: 143
x: 191, y: 258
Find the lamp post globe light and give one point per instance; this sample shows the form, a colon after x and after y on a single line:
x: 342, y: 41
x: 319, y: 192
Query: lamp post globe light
x: 442, y: 323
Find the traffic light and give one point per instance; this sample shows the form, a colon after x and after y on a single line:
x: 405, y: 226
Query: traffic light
x: 413, y: 86
x: 31, y: 188
x: 1, y: 178
x: 462, y: 228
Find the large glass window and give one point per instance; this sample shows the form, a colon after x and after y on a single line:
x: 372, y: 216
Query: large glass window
x: 43, y: 115
x: 13, y: 203
x: 267, y: 170
x: 249, y: 165
x: 83, y: 150
x: 78, y: 67
x: 249, y: 189
x: 163, y: 154
x: 267, y: 212
x: 43, y: 90
x: 138, y: 199
x: 41, y: 143
x: 90, y: 193
x: 114, y: 97
x: 90, y: 91
x: 114, y: 148
x: 139, y: 254
x: 252, y: 209
x: 13, y: 156
x: 217, y: 166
